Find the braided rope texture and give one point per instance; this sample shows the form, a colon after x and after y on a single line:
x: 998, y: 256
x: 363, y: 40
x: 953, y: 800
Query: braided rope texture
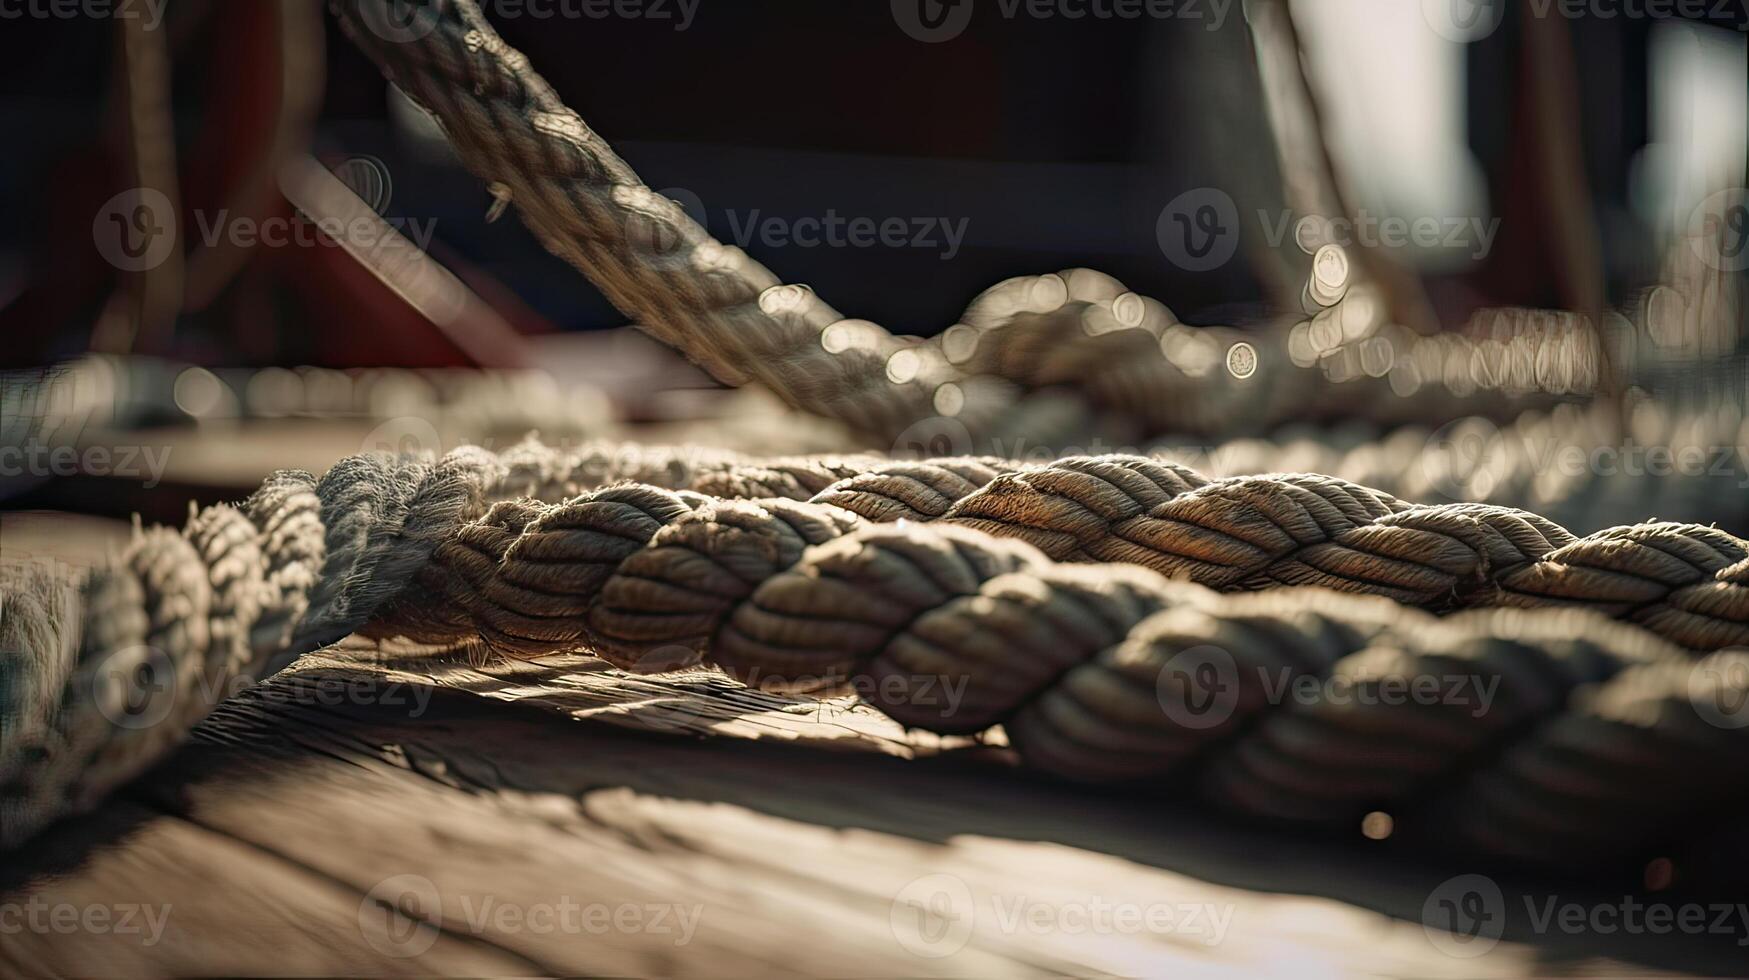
x: 1052, y: 599
x: 1061, y: 353
x: 1581, y: 468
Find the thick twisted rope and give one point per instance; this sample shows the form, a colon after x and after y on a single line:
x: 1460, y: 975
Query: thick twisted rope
x: 721, y: 308
x: 814, y: 596
x: 1579, y: 468
x: 1687, y: 582
x: 1079, y: 662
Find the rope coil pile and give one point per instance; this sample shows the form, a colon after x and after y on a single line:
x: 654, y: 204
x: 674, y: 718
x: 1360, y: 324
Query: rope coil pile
x: 1600, y: 733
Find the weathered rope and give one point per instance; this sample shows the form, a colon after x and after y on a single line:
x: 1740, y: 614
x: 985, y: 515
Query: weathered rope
x: 1112, y: 360
x: 1579, y: 468
x: 723, y: 309
x: 1687, y: 582
x: 1068, y: 657
x: 1076, y: 662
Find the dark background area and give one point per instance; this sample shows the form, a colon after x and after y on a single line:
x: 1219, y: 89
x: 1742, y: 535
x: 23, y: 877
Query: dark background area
x: 1058, y: 145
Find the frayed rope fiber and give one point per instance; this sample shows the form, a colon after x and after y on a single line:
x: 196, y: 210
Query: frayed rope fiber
x: 1059, y: 600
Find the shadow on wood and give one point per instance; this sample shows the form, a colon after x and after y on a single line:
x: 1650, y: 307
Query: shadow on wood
x: 391, y: 813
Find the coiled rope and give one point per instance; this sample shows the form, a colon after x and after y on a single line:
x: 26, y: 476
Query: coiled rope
x: 1084, y: 665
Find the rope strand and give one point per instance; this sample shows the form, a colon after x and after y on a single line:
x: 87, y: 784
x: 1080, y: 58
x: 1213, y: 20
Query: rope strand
x: 1078, y: 333
x: 1085, y: 664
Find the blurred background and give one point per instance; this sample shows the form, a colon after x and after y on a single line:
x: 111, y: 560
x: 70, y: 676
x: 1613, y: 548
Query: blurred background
x: 1500, y: 167
x: 1451, y: 250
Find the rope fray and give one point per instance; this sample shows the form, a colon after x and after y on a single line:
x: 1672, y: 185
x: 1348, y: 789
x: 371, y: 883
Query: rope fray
x: 1098, y: 670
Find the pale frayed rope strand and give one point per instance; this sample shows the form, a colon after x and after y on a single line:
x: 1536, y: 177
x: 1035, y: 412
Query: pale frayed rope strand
x: 105, y: 672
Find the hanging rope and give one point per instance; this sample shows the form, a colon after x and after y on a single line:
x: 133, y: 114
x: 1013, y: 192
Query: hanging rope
x: 1074, y: 660
x: 1078, y: 331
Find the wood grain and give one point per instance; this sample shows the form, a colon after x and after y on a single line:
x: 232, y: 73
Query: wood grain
x: 403, y: 812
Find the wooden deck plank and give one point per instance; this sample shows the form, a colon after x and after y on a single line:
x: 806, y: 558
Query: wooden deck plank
x: 354, y: 817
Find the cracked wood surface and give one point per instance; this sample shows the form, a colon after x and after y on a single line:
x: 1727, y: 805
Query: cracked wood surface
x: 398, y: 813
